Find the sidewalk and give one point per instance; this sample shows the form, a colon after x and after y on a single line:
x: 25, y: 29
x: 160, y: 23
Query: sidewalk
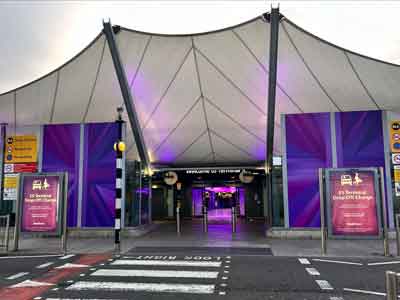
x: 219, y: 236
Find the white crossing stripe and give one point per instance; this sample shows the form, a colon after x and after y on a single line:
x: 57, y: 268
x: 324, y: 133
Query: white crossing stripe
x: 312, y: 271
x: 304, y: 261
x: 155, y: 273
x: 18, y: 275
x: 364, y: 292
x: 67, y: 256
x: 384, y: 263
x: 44, y: 265
x: 68, y: 265
x: 176, y: 263
x: 143, y: 287
x: 324, y: 285
x: 338, y: 262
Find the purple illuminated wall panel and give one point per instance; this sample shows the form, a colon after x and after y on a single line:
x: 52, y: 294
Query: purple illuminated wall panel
x: 61, y: 154
x: 98, y: 203
x: 359, y: 139
x: 308, y: 148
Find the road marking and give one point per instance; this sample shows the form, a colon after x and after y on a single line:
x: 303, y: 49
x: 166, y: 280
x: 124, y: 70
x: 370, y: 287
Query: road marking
x: 338, y: 262
x: 304, y: 261
x: 222, y: 293
x: 384, y: 263
x: 67, y: 256
x: 31, y: 283
x: 336, y: 298
x: 324, y: 285
x: 155, y: 273
x: 30, y: 256
x: 223, y: 284
x: 224, y: 278
x: 77, y: 299
x: 364, y: 292
x: 312, y: 271
x: 68, y: 265
x: 18, y: 275
x: 44, y: 265
x: 143, y: 287
x: 177, y: 263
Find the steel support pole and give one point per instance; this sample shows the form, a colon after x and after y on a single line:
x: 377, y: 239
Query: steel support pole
x: 205, y: 219
x: 274, y: 18
x: 322, y: 211
x: 178, y: 219
x: 233, y: 219
x: 3, y: 159
x: 386, y: 250
x: 126, y: 94
x: 397, y: 223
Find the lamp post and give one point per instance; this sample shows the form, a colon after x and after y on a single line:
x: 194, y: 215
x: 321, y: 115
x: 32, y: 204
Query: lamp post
x: 119, y: 147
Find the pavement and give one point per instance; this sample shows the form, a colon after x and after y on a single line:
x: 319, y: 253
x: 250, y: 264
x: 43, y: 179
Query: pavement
x: 197, y: 265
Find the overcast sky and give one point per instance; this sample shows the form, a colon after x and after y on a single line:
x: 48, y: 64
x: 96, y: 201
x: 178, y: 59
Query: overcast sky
x: 38, y: 36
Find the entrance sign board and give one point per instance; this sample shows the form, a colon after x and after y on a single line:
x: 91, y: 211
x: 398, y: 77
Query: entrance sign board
x: 40, y: 203
x: 42, y: 206
x: 353, y: 202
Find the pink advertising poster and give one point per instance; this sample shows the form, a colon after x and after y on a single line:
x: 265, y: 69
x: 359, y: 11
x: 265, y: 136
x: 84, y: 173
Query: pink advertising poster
x: 40, y: 195
x: 353, y: 203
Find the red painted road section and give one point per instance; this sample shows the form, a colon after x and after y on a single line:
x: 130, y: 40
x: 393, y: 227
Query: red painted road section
x: 54, y: 276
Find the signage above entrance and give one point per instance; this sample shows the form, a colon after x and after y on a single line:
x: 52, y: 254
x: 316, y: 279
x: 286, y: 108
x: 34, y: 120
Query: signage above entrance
x: 213, y: 171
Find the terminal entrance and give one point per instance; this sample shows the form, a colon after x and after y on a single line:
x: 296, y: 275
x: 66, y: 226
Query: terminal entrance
x: 210, y: 200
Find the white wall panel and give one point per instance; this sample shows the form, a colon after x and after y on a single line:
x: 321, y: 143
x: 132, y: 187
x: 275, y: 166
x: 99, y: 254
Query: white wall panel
x: 7, y: 109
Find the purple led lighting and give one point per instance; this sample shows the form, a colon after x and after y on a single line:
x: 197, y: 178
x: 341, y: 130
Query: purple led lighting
x: 221, y: 189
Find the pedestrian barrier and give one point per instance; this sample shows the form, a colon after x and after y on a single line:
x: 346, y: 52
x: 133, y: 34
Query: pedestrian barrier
x: 4, y: 231
x: 392, y: 282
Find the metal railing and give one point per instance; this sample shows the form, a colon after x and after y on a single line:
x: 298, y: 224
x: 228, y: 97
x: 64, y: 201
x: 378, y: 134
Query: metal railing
x: 4, y: 231
x: 392, y: 282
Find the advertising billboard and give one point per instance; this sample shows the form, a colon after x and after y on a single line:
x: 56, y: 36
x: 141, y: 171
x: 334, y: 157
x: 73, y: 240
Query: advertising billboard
x: 40, y: 202
x: 353, y: 202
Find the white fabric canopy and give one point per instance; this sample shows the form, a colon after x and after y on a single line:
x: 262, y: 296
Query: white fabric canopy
x: 202, y: 99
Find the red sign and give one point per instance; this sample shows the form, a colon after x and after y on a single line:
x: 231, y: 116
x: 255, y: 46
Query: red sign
x: 20, y: 168
x: 353, y: 203
x: 40, y: 203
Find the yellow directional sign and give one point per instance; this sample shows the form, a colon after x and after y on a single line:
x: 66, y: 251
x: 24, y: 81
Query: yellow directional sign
x: 21, y: 149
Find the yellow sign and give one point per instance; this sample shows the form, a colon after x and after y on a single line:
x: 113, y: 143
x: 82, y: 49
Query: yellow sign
x: 396, y: 173
x: 10, y: 181
x: 395, y: 136
x: 21, y: 149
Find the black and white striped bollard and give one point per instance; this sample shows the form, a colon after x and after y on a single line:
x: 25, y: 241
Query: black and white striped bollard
x: 119, y: 148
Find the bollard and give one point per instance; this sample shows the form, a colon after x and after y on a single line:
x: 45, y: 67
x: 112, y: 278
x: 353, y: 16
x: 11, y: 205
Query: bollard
x: 178, y: 220
x: 391, y: 285
x: 233, y: 219
x: 323, y: 241
x: 205, y: 219
x: 398, y: 233
x: 7, y: 232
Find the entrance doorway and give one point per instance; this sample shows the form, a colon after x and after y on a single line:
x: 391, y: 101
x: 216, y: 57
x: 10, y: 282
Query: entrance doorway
x: 220, y: 200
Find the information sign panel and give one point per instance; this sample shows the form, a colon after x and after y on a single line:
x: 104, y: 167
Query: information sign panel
x: 40, y: 203
x: 353, y: 202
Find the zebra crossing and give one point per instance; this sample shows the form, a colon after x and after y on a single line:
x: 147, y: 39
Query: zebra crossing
x: 202, y: 275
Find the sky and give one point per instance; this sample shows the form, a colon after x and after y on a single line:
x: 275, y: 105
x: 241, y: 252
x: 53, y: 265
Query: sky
x: 39, y: 36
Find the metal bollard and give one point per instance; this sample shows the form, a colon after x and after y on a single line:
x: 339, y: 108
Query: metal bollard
x: 178, y: 220
x: 233, y: 219
x: 205, y: 219
x: 391, y: 285
x: 7, y: 232
x: 397, y: 219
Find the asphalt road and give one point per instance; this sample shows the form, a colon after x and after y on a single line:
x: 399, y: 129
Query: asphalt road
x: 195, y: 274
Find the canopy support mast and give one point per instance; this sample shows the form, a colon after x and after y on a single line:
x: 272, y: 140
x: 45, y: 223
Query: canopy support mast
x: 126, y: 95
x: 274, y: 18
